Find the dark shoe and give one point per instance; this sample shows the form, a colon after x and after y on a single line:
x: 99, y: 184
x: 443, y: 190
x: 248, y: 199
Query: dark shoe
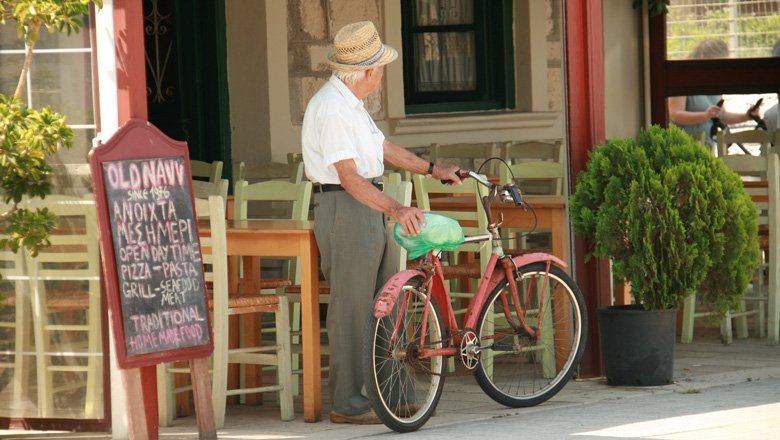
x: 367, y: 418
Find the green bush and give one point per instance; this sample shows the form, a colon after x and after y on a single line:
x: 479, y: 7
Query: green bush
x: 673, y: 218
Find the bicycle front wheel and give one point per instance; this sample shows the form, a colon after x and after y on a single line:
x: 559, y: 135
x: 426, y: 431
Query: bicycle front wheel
x: 402, y: 386
x: 524, y: 366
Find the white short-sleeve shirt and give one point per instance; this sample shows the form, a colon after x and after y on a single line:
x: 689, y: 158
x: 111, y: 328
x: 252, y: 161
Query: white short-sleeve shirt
x: 336, y: 126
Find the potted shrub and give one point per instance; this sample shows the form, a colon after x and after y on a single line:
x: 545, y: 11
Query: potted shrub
x: 674, y: 220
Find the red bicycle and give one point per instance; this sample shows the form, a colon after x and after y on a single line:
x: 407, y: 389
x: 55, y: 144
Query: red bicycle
x: 523, y: 333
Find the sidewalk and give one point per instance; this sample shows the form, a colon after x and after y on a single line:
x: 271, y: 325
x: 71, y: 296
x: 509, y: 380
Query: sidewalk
x: 703, y: 369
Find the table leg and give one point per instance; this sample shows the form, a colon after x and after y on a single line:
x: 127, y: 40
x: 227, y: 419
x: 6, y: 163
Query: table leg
x: 559, y: 234
x: 232, y: 273
x: 310, y: 313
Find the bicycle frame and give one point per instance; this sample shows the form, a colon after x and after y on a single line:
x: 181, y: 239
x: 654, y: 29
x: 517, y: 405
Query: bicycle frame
x: 430, y: 271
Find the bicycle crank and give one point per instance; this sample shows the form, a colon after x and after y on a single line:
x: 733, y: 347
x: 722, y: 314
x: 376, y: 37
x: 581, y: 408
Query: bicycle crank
x: 469, y: 349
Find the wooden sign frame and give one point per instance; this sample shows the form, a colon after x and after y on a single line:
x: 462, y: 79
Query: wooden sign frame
x: 138, y: 140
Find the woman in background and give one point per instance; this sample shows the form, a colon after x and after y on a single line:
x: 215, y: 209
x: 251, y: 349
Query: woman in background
x: 695, y: 114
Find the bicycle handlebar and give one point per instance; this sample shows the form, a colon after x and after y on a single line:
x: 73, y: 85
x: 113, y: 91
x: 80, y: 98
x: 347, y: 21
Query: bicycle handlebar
x: 508, y: 192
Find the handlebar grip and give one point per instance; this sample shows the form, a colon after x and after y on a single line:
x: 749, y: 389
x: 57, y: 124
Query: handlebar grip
x: 462, y: 174
x: 759, y: 122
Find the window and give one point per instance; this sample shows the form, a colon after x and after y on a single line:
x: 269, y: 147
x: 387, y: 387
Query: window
x: 744, y: 73
x: 60, y: 77
x: 59, y: 376
x: 457, y: 55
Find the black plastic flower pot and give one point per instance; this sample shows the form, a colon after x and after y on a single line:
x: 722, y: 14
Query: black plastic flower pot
x: 637, y: 345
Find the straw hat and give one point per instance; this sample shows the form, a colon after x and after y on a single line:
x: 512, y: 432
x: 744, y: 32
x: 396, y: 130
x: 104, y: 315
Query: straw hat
x: 357, y: 47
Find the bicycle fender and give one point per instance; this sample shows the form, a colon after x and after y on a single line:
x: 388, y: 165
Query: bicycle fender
x: 522, y: 260
x: 535, y: 257
x: 388, y: 294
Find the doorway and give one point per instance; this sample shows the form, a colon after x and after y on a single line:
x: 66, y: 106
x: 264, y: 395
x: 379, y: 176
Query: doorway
x: 186, y: 75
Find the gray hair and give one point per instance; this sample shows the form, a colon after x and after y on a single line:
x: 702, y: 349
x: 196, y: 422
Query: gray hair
x: 349, y: 76
x: 710, y: 48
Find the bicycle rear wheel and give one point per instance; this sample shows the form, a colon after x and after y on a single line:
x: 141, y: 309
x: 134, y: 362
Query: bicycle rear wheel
x: 517, y: 369
x: 402, y: 387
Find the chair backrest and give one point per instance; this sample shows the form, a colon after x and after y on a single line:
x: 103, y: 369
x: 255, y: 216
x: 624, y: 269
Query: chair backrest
x: 73, y: 254
x: 397, y: 189
x: 537, y: 166
x: 299, y: 194
x: 295, y: 161
x: 425, y: 187
x: 539, y: 177
x: 202, y: 207
x: 519, y: 151
x: 203, y: 190
x: 211, y: 171
x: 392, y: 178
x: 260, y: 172
x: 467, y: 155
x: 749, y: 139
x: 392, y: 170
x: 765, y: 196
x: 214, y: 250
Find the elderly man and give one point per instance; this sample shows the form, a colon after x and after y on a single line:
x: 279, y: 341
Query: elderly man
x: 344, y: 153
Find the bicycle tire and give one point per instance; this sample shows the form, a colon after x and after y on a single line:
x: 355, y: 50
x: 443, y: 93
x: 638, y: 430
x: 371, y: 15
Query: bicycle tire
x: 395, y: 379
x: 516, y: 369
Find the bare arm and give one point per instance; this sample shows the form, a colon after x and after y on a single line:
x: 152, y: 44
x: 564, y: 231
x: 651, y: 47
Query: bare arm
x: 736, y: 118
x: 405, y: 159
x: 679, y: 115
x: 410, y: 218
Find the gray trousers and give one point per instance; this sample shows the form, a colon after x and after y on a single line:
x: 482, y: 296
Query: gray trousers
x: 356, y: 261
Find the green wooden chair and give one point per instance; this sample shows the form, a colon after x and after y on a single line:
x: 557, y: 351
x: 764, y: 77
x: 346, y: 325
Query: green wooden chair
x: 208, y: 171
x: 222, y: 305
x: 296, y: 199
x: 762, y: 295
x: 65, y: 303
x: 468, y: 155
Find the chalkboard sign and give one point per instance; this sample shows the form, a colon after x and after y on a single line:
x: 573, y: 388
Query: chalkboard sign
x: 150, y: 247
x: 157, y: 254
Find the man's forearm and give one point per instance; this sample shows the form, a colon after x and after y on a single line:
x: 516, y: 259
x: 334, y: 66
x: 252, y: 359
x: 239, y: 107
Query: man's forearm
x: 403, y: 158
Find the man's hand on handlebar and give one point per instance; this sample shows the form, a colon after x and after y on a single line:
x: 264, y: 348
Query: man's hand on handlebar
x: 449, y: 174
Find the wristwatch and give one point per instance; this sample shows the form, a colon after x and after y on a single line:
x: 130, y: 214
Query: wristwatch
x: 430, y: 169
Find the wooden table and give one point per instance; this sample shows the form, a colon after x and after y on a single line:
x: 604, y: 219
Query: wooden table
x: 286, y: 238
x: 550, y: 215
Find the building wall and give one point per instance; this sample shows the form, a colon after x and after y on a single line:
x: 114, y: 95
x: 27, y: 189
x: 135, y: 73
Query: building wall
x: 276, y: 62
x: 294, y: 69
x: 247, y: 65
x: 311, y: 27
x: 623, y: 69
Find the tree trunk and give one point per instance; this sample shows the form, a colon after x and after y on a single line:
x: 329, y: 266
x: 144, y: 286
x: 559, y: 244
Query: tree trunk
x: 36, y: 27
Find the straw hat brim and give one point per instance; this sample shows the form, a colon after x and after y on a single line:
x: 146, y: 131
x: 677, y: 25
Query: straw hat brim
x: 387, y: 57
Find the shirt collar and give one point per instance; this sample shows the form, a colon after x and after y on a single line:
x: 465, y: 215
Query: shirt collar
x: 352, y: 100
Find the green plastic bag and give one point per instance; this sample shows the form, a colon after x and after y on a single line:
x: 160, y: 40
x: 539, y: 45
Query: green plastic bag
x: 440, y: 232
